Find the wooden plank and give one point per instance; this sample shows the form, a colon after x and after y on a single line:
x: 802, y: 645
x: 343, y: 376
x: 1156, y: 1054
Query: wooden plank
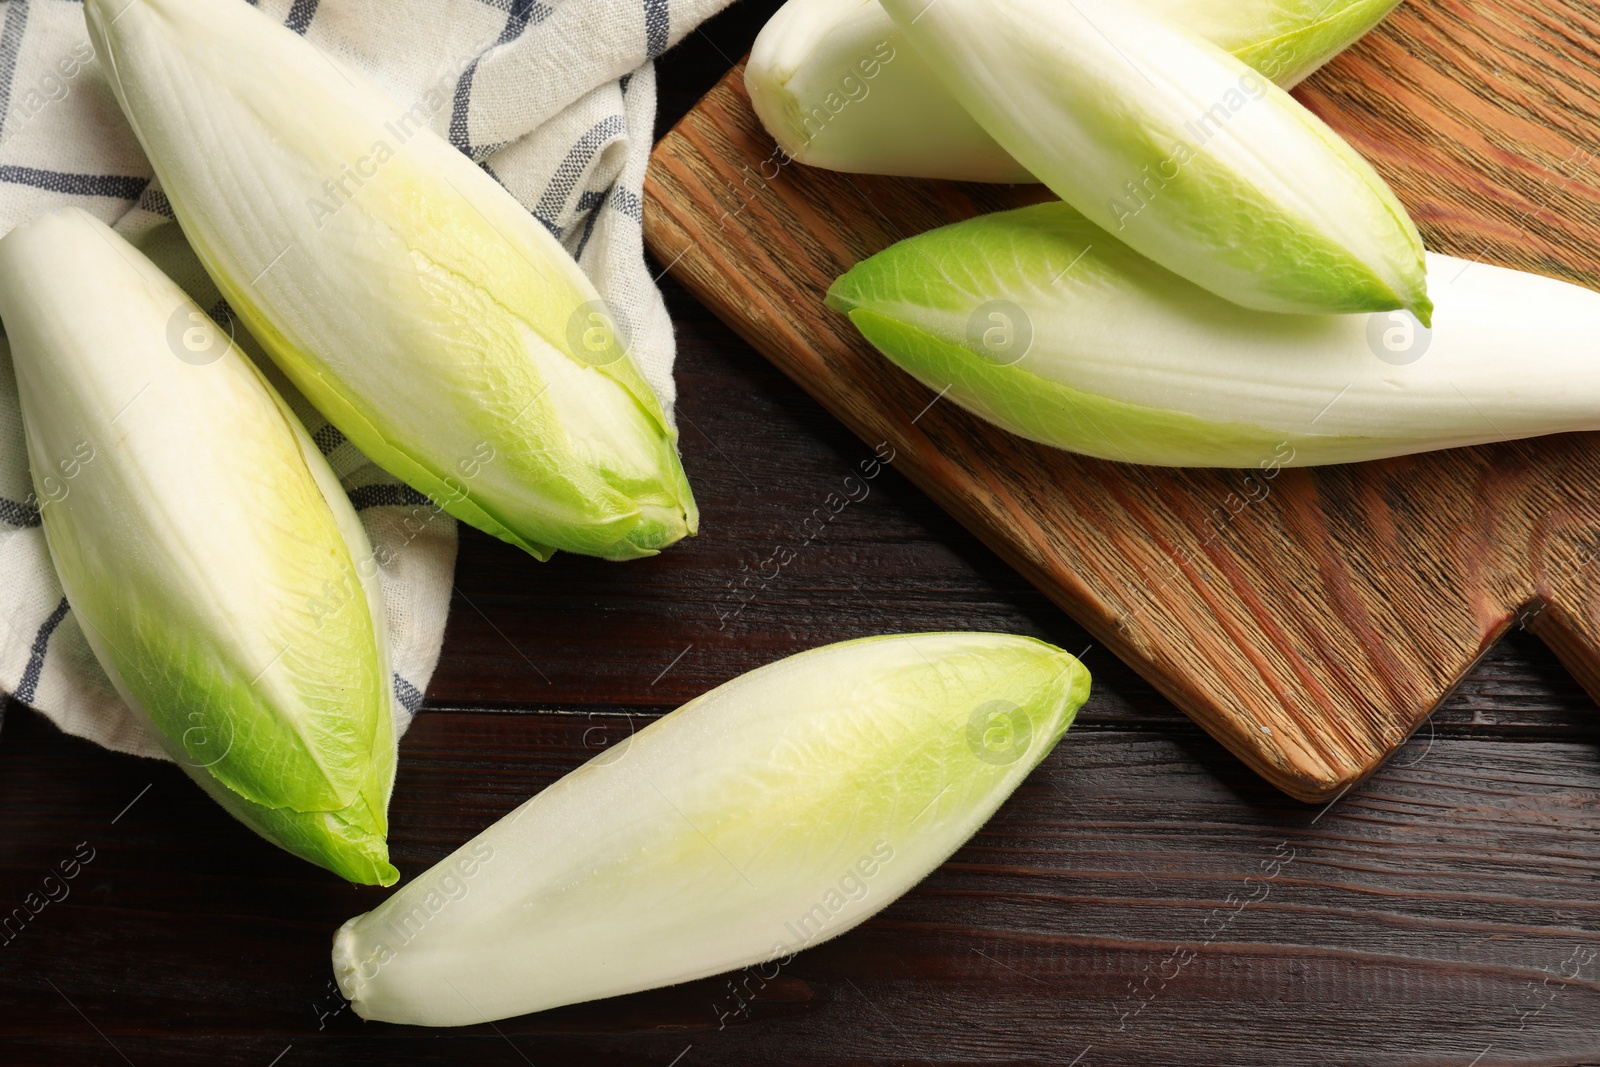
x: 1129, y: 899
x: 1309, y: 630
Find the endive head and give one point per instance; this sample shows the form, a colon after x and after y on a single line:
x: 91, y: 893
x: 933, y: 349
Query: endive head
x: 770, y: 814
x: 219, y: 573
x: 1178, y: 149
x: 1038, y: 321
x: 422, y: 309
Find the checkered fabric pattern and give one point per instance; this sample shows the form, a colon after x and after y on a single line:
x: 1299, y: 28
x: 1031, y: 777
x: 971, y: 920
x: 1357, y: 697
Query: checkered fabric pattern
x: 556, y: 100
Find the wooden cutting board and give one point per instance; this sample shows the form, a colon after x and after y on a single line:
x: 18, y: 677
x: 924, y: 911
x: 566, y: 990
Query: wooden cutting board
x: 1312, y: 622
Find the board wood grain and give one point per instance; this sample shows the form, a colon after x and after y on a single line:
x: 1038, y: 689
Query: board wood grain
x: 1310, y: 620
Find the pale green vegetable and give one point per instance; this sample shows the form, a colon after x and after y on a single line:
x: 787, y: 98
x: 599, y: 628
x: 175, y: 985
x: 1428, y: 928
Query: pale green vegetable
x: 772, y: 813
x: 429, y: 316
x: 1178, y: 149
x: 1287, y: 40
x: 1038, y: 322
x: 837, y: 86
x: 217, y: 569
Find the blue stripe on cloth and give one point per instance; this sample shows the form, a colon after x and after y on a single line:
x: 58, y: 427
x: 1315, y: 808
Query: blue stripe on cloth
x: 540, y: 11
x: 300, y: 14
x: 519, y: 16
x: 628, y: 203
x: 23, y: 516
x: 587, y: 203
x: 523, y: 14
x: 41, y: 641
x: 458, y: 109
x: 657, y: 24
x: 10, y: 45
x: 155, y: 201
x: 578, y: 159
x: 115, y: 186
x: 327, y: 439
x: 387, y: 496
x: 410, y: 696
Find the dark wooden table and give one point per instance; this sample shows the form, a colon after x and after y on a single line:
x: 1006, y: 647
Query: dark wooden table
x: 1143, y: 899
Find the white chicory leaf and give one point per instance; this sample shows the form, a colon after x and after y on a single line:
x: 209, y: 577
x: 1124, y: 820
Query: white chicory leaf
x: 1178, y: 149
x: 837, y: 86
x: 423, y: 310
x: 216, y: 567
x: 1038, y: 322
x: 772, y: 813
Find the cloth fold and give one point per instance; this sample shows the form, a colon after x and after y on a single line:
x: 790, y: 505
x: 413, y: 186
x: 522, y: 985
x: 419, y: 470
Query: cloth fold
x: 557, y: 101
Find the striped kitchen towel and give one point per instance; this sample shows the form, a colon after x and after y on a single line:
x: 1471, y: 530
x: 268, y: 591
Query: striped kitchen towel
x: 556, y: 100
